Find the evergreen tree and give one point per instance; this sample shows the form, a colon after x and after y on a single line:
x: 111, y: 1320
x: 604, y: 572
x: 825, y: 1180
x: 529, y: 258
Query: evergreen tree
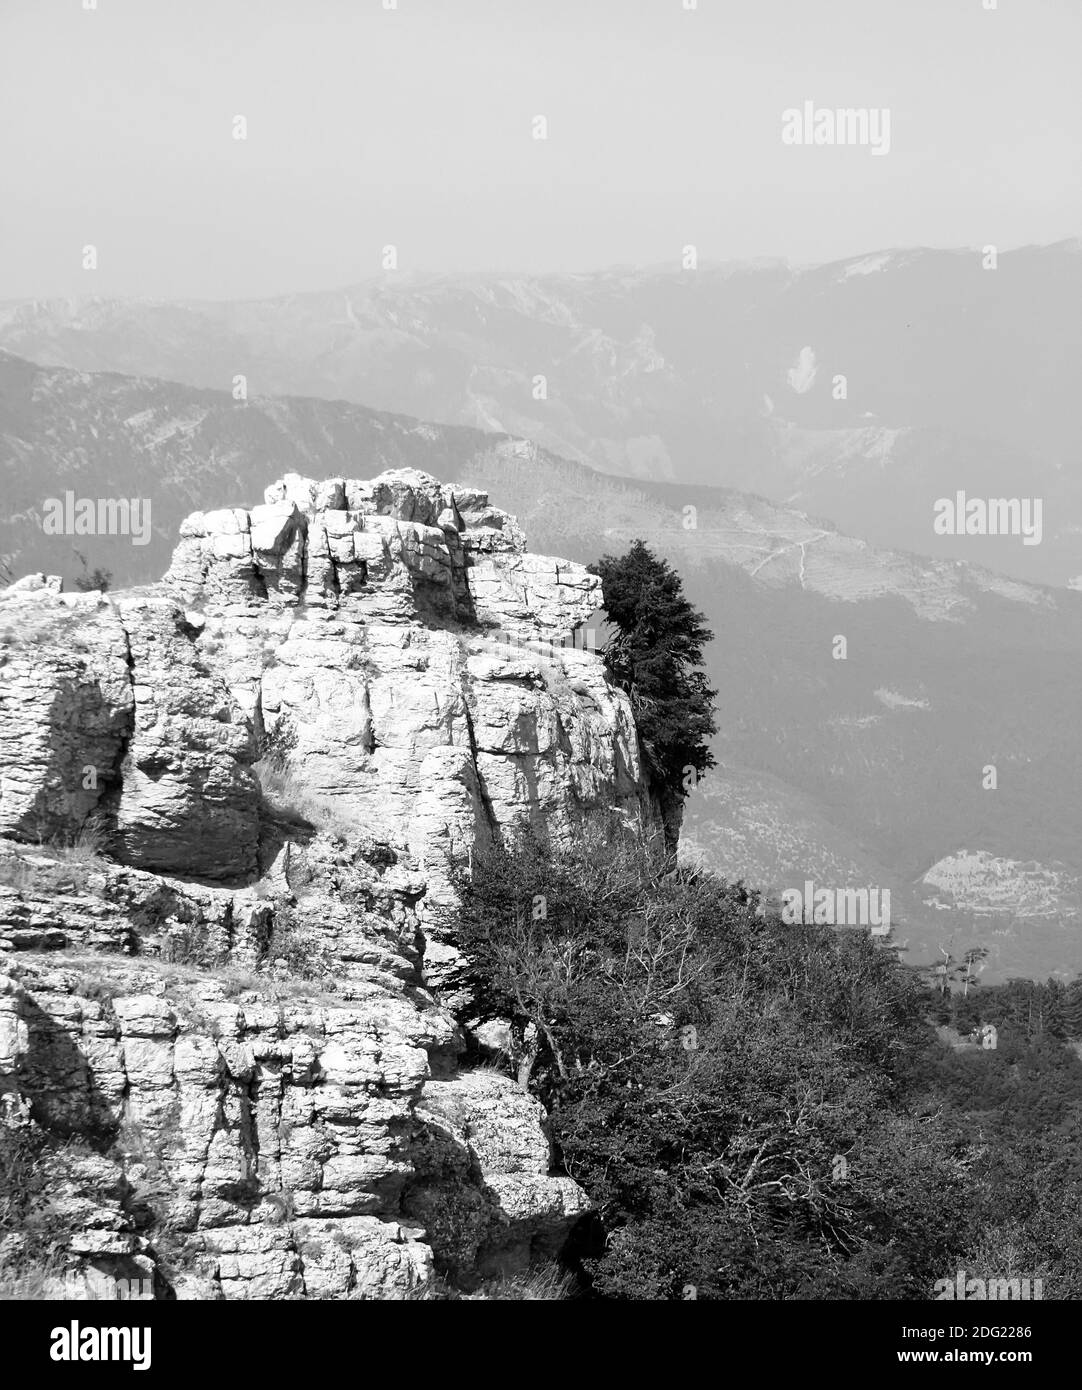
x: 1072, y: 1009
x: 1053, y: 1018
x: 656, y: 656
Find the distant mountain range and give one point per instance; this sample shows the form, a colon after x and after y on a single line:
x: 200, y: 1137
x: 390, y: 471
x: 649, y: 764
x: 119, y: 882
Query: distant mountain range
x: 107, y: 435
x: 862, y: 771
x: 956, y: 376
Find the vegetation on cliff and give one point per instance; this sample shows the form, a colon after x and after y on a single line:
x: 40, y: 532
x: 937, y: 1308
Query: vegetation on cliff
x: 761, y: 1110
x: 656, y: 656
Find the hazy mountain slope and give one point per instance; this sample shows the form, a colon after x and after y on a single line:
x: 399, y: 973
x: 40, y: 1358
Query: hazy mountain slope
x: 949, y: 669
x: 871, y: 765
x: 107, y: 435
x: 955, y: 376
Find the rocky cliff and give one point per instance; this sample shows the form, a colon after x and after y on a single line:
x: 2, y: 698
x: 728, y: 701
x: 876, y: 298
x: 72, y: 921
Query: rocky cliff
x: 234, y: 804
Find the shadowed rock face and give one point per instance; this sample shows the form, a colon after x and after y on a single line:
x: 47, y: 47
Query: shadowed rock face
x: 402, y: 654
x: 66, y: 707
x: 106, y: 711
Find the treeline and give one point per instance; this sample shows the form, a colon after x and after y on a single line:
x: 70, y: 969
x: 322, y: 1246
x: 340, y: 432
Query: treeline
x: 1020, y: 1009
x: 1019, y: 1105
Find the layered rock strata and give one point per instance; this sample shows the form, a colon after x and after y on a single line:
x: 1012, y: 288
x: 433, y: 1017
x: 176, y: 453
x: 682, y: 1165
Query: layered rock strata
x: 235, y: 803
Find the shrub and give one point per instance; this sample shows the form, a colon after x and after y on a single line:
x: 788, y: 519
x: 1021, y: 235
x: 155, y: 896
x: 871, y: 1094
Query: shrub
x: 86, y: 846
x: 21, y: 1183
x: 303, y: 951
x: 545, y: 1283
x: 541, y: 1283
x: 289, y: 798
x: 91, y: 579
x: 276, y: 744
x: 65, y: 865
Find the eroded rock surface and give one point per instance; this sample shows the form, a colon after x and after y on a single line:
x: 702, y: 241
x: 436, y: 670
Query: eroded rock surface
x: 224, y: 1023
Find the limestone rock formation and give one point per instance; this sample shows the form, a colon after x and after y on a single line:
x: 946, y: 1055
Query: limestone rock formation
x: 418, y: 660
x: 224, y: 1031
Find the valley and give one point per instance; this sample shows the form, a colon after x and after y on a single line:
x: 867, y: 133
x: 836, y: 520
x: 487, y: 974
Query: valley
x: 851, y: 762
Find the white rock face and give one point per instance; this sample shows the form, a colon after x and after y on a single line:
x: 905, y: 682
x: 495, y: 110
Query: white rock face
x: 405, y: 667
x: 395, y: 631
x: 481, y: 1121
x: 417, y: 658
x: 273, y: 1140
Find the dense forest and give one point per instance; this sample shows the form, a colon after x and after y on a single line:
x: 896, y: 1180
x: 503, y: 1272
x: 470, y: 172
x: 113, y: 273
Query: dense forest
x: 766, y: 1111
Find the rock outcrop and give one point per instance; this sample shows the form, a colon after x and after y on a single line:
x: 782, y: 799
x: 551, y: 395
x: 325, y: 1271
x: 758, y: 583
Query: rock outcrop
x: 288, y: 747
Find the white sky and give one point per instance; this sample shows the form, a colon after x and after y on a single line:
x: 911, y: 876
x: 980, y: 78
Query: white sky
x: 413, y: 127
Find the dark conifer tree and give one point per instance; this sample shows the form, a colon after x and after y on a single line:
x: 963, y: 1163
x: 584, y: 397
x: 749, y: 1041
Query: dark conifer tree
x: 656, y: 656
x: 1072, y: 1009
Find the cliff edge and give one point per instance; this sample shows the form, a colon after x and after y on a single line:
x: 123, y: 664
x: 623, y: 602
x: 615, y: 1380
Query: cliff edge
x: 233, y: 804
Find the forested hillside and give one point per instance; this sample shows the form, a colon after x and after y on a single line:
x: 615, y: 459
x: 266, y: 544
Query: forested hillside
x: 761, y: 1110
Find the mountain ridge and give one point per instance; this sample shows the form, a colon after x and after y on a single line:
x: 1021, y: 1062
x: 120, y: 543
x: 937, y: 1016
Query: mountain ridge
x: 862, y: 390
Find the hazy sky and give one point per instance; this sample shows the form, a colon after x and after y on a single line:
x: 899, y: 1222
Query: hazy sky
x: 412, y: 126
